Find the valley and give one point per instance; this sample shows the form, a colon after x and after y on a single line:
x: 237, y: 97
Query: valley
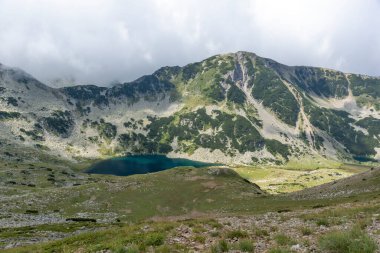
x: 256, y: 156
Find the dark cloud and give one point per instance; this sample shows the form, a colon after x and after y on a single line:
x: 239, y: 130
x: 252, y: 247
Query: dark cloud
x: 100, y: 41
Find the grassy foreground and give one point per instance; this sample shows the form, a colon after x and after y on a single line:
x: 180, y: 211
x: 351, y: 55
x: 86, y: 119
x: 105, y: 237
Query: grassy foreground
x: 322, y: 229
x: 182, y: 210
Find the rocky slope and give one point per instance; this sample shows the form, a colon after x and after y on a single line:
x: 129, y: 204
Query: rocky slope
x: 233, y: 108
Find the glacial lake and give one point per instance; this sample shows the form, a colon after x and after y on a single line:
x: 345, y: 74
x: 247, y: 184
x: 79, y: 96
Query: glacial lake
x: 141, y: 164
x: 364, y: 159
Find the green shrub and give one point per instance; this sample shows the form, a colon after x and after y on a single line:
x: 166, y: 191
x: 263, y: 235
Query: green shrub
x: 59, y: 123
x: 235, y: 95
x: 261, y: 232
x: 9, y: 115
x: 354, y: 241
x: 306, y: 231
x: 246, y: 246
x: 275, y: 147
x: 12, y: 101
x: 200, y: 238
x: 236, y: 234
x: 274, y: 94
x: 322, y: 222
x: 214, y: 233
x: 105, y: 129
x: 213, y: 223
x: 221, y: 246
x: 154, y: 239
x: 199, y: 229
x: 283, y: 239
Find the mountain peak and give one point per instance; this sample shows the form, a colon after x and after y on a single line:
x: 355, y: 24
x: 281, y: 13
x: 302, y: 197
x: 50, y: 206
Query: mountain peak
x: 245, y: 107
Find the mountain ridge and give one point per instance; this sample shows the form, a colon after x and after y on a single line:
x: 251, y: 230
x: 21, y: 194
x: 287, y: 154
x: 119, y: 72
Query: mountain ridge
x: 234, y: 108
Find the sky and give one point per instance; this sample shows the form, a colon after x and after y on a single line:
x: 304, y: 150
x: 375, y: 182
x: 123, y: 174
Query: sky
x: 106, y: 41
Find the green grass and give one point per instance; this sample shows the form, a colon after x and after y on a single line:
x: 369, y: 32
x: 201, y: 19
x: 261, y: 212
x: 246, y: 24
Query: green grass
x: 31, y: 231
x: 124, y: 239
x: 284, y: 179
x: 246, y: 246
x: 155, y: 239
x: 204, y: 193
x: 354, y: 241
x: 147, y: 234
x: 279, y: 250
x: 142, y: 196
x: 339, y: 214
x: 221, y: 246
x: 200, y: 239
x: 314, y: 163
x: 282, y: 239
x: 306, y: 230
x: 260, y: 232
x: 237, y: 234
x: 322, y: 222
x: 131, y: 249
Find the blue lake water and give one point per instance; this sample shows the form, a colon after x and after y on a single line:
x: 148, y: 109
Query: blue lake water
x: 141, y: 164
x: 364, y: 159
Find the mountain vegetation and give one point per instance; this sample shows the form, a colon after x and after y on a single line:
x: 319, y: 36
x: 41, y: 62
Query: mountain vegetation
x: 295, y: 152
x: 235, y: 107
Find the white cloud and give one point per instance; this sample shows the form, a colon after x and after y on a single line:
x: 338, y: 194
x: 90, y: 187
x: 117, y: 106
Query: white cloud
x: 98, y: 41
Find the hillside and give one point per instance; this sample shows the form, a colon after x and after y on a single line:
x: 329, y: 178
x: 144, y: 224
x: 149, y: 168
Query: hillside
x: 180, y: 210
x: 233, y: 108
x: 365, y: 182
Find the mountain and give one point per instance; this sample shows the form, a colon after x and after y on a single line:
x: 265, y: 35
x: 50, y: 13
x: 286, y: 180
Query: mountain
x: 232, y: 108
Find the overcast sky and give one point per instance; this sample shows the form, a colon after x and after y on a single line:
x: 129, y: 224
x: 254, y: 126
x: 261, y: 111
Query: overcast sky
x: 101, y: 41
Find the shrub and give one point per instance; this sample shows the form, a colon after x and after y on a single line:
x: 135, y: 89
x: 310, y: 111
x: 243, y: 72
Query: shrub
x: 235, y: 95
x: 275, y: 147
x: 214, y: 233
x: 221, y: 246
x: 154, y: 239
x: 213, y: 223
x: 306, y: 231
x: 60, y: 123
x: 200, y: 238
x: 246, y: 246
x: 322, y: 222
x: 261, y: 232
x: 236, y: 234
x: 283, y: 239
x: 354, y: 241
x: 9, y: 115
x: 274, y: 94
